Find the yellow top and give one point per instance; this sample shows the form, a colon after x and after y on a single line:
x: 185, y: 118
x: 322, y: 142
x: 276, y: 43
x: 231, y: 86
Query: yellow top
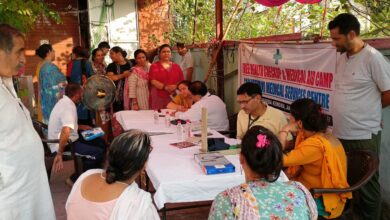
x: 180, y: 100
x: 272, y: 119
x: 319, y: 161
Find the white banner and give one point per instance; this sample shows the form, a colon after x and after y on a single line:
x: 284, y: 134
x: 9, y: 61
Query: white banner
x: 289, y: 72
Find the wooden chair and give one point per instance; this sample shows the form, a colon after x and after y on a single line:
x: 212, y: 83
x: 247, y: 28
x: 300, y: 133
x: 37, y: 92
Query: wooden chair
x: 361, y: 166
x: 41, y: 129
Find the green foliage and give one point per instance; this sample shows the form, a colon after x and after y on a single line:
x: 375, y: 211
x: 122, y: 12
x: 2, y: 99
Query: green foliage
x: 254, y: 20
x: 182, y: 23
x: 23, y: 14
x: 377, y: 13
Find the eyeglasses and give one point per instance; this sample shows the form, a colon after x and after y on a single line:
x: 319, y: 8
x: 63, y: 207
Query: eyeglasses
x: 244, y: 102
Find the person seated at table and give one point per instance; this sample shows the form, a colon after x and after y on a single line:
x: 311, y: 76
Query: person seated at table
x: 255, y: 112
x: 318, y: 159
x: 262, y: 196
x: 182, y: 101
x: 113, y: 193
x: 63, y: 126
x: 216, y: 109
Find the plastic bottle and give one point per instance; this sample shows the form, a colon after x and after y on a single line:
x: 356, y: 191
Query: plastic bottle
x: 188, y: 131
x: 155, y: 116
x: 180, y: 131
x: 167, y: 119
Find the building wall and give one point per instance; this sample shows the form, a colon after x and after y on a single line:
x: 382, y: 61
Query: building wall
x: 61, y: 36
x: 153, y: 21
x: 118, y: 26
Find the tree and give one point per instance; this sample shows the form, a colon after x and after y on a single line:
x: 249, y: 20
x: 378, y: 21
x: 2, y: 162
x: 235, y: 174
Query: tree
x: 376, y: 12
x: 23, y: 14
x: 254, y: 20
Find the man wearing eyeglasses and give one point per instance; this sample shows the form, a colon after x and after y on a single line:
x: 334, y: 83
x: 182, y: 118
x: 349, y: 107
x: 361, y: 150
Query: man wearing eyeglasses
x: 255, y: 112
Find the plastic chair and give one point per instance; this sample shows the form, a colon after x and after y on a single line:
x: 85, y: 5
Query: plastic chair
x: 41, y: 129
x: 361, y: 166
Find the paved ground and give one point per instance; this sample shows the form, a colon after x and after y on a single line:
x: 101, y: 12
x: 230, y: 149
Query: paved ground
x: 60, y: 192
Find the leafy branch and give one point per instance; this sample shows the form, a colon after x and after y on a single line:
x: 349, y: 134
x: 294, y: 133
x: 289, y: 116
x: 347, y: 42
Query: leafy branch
x: 23, y: 14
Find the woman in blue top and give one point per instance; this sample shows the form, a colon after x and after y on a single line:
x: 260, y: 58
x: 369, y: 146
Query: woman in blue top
x: 81, y: 70
x: 81, y: 66
x: 51, y: 81
x: 261, y: 196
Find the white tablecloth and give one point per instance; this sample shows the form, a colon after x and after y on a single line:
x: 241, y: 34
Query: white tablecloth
x: 173, y: 171
x: 143, y: 120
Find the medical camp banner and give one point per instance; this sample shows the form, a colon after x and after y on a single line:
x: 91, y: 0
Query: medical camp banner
x: 288, y: 72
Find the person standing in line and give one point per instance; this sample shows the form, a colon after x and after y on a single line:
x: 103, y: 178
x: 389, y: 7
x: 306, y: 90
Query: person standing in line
x: 136, y: 93
x: 51, y: 82
x: 187, y: 62
x: 164, y: 76
x: 362, y: 89
x: 98, y: 64
x: 24, y: 187
x: 80, y: 72
x: 105, y: 47
x: 118, y: 71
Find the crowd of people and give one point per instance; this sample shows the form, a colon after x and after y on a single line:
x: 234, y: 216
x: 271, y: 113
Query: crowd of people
x: 302, y: 146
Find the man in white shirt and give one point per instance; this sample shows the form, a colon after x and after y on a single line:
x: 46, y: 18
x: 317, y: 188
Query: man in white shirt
x: 255, y: 112
x: 63, y: 126
x: 362, y: 89
x: 187, y: 62
x: 216, y: 109
x: 24, y: 186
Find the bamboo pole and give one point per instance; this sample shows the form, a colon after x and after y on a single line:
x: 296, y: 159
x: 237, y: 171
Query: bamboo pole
x: 215, y: 53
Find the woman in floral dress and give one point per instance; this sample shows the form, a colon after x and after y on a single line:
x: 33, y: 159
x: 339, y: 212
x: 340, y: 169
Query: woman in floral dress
x: 262, y: 196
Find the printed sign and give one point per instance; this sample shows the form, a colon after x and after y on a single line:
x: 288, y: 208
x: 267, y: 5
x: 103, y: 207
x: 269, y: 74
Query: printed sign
x: 287, y: 72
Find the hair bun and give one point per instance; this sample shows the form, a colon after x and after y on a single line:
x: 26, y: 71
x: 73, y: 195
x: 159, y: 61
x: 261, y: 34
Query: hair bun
x: 112, y: 175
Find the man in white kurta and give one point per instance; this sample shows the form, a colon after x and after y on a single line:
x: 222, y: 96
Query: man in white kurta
x: 24, y: 187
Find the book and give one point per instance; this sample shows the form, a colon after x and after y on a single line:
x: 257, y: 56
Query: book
x: 214, y: 163
x: 92, y: 133
x: 183, y: 144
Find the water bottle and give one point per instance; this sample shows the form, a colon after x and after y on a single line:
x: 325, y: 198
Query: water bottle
x: 180, y: 131
x: 188, y: 131
x: 155, y: 116
x: 167, y: 120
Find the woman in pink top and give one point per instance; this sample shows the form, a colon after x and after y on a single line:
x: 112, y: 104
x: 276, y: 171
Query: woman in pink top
x: 164, y: 76
x: 112, y: 193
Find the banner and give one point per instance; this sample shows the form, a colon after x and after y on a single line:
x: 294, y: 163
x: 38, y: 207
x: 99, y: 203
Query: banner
x: 287, y: 72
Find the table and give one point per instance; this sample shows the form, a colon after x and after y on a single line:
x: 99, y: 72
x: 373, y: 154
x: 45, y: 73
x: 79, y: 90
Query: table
x: 173, y: 172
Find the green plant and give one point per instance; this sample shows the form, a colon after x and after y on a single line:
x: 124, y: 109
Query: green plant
x: 254, y: 20
x: 23, y: 14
